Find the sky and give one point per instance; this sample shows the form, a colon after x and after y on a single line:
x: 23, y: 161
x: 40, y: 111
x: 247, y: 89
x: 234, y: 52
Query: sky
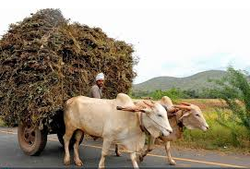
x: 171, y: 38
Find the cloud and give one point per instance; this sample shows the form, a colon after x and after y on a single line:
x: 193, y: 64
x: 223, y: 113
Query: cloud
x: 191, y: 41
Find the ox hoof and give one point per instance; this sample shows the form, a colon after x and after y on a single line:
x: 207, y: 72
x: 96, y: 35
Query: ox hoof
x: 66, y: 162
x: 172, y: 162
x: 140, y: 158
x: 118, y: 154
x: 78, y: 162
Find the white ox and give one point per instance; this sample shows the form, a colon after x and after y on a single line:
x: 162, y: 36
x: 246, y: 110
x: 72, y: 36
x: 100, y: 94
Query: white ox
x: 100, y: 118
x: 185, y: 114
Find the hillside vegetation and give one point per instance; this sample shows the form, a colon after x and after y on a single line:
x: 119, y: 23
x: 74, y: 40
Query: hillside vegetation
x: 195, y: 82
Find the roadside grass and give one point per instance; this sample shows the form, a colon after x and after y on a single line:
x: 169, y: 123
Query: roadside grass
x: 1, y: 122
x: 218, y: 137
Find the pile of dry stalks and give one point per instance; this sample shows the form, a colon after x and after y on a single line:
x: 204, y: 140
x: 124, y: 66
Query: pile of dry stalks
x: 45, y: 60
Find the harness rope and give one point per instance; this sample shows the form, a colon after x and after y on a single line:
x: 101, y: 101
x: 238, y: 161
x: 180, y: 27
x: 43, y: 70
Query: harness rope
x: 179, y: 122
x: 142, y: 127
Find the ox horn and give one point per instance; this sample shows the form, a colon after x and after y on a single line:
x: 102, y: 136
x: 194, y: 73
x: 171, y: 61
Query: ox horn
x: 182, y: 107
x: 186, y: 103
x: 131, y: 109
x: 150, y: 104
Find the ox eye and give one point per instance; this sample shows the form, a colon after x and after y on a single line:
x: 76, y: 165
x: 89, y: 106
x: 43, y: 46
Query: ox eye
x: 159, y: 115
x: 197, y: 115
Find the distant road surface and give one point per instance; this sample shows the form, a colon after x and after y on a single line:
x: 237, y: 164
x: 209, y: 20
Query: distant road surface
x: 52, y: 156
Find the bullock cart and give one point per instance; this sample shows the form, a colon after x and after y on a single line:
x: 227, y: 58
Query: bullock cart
x: 44, y: 61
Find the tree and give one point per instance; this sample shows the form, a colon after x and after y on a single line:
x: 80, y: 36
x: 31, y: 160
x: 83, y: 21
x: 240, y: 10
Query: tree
x: 234, y: 88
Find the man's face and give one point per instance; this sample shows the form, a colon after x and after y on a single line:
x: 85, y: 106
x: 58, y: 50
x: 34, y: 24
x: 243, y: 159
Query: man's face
x: 100, y: 83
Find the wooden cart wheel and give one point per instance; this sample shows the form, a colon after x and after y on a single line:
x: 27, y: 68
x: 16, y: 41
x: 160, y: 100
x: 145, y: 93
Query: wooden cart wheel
x: 72, y: 140
x: 31, y: 140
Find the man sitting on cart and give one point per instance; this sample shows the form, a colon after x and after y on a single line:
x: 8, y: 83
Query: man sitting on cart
x: 96, y: 90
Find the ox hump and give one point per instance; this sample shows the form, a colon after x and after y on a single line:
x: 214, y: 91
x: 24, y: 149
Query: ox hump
x: 123, y: 98
x: 166, y: 100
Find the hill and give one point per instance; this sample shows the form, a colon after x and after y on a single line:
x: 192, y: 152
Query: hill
x: 194, y: 82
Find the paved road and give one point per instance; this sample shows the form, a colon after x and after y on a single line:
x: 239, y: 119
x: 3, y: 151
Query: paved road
x: 52, y: 156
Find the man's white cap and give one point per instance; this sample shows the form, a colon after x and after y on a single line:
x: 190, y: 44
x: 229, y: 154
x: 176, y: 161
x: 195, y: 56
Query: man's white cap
x: 100, y: 76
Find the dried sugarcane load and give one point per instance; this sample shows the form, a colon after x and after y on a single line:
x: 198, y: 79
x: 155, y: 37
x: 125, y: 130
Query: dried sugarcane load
x: 45, y: 60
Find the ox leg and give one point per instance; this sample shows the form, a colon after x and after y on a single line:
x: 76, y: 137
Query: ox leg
x: 117, y: 152
x: 133, y: 159
x: 105, y: 149
x: 78, y: 137
x: 151, y: 141
x: 167, y: 148
x: 67, y: 136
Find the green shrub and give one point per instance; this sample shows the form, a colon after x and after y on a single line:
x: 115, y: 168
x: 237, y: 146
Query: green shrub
x: 1, y: 122
x: 173, y: 93
x: 234, y: 88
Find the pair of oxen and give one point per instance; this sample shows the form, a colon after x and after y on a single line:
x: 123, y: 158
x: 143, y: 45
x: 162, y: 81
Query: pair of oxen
x: 128, y: 122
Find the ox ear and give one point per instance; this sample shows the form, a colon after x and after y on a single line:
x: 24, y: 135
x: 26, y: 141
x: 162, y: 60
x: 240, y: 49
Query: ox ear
x: 182, y: 107
x: 184, y: 115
